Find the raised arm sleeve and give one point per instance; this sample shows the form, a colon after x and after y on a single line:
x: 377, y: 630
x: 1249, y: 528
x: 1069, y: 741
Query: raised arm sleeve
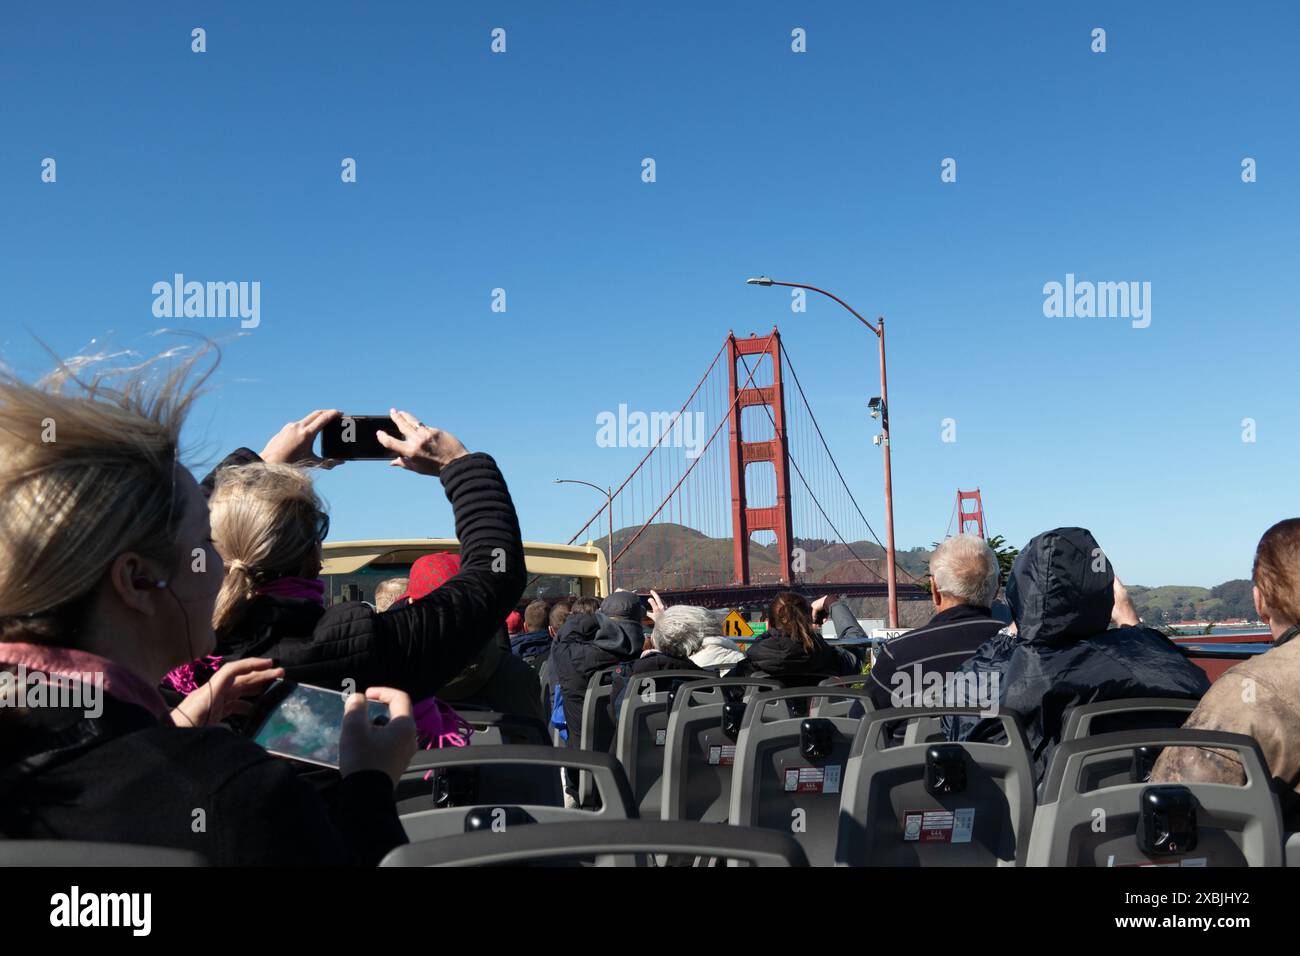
x: 432, y: 639
x: 846, y: 625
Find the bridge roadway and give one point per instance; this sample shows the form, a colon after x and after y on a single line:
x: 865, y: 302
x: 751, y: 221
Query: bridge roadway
x: 746, y: 595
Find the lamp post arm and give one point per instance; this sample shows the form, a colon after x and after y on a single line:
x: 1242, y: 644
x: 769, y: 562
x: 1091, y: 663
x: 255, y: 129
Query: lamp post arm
x: 829, y: 295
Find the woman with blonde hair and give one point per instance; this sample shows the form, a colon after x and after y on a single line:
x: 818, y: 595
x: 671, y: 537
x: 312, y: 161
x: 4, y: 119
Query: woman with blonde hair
x: 108, y: 580
x: 268, y: 524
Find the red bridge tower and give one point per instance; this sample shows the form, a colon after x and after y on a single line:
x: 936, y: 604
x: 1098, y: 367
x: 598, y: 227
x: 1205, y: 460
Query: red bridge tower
x: 743, y: 394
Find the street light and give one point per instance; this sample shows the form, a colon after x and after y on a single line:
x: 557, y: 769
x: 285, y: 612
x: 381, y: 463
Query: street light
x: 609, y: 496
x: 879, y: 406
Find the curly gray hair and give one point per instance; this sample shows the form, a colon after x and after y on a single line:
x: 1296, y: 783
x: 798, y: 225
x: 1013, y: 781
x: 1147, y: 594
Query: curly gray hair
x: 681, y: 630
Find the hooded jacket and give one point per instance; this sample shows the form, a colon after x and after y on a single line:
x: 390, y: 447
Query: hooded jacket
x: 588, y: 643
x: 416, y: 648
x: 1061, y: 592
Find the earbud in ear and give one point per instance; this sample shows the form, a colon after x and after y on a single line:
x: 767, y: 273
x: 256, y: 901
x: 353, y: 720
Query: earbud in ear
x: 142, y: 582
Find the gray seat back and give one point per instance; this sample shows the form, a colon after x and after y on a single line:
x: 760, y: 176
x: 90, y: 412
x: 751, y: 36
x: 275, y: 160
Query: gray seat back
x: 1114, y: 716
x: 492, y: 728
x: 701, y: 747
x: 789, y: 770
x: 598, y: 727
x: 495, y: 798
x: 1134, y: 713
x: 423, y: 788
x: 841, y: 706
x: 79, y: 853
x: 1081, y: 823
x: 932, y: 802
x: 611, y: 843
x: 642, y: 732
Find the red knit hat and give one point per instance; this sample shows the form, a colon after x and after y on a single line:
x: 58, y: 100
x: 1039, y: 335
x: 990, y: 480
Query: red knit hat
x: 430, y: 573
x: 514, y: 623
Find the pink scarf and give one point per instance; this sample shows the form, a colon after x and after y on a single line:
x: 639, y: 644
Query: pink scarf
x: 437, y: 722
x: 185, y: 679
x: 306, y: 589
x: 81, y: 666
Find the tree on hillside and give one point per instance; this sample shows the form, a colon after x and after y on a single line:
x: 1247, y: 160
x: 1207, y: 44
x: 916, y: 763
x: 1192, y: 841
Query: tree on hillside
x: 1237, y: 598
x: 1006, y: 557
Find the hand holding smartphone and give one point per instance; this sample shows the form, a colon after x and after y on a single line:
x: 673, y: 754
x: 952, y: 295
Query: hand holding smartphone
x: 399, y: 438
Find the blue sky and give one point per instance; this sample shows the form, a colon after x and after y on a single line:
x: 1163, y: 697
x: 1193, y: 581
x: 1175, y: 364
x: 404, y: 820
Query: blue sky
x: 523, y: 171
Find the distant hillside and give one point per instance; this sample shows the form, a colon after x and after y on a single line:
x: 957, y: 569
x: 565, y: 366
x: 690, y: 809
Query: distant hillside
x: 1173, y: 602
x: 673, y: 555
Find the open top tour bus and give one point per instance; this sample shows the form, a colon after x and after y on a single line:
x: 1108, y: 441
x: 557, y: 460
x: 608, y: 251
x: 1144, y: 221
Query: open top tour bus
x: 352, y: 569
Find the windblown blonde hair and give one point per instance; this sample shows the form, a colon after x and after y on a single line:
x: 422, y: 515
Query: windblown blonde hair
x: 264, y: 525
x: 88, y: 470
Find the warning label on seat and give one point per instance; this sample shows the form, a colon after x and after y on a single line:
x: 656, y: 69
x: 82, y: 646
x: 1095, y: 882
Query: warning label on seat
x: 722, y: 756
x: 813, y: 779
x: 939, y: 826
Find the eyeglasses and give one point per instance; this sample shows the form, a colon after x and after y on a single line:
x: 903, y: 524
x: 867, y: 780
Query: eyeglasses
x: 322, y: 525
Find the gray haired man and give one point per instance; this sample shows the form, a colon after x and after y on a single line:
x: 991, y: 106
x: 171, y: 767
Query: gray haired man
x: 964, y: 581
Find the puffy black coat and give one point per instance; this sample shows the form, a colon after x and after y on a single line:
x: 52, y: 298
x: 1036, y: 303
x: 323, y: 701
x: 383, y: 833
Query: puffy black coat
x: 418, y: 647
x: 588, y: 643
x: 1063, y: 654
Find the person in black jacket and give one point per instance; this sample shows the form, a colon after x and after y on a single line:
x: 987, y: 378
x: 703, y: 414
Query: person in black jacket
x: 1064, y: 595
x: 589, y: 642
x: 964, y: 571
x: 268, y: 525
x: 108, y: 578
x: 793, y: 651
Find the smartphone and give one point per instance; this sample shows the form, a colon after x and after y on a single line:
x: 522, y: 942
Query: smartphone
x: 352, y: 438
x: 303, y: 722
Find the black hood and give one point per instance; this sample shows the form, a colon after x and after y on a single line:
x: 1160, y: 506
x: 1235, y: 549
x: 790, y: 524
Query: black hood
x: 622, y: 638
x: 625, y: 605
x: 1061, y: 588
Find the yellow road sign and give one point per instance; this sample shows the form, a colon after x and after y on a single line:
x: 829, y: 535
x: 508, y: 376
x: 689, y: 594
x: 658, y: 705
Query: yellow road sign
x: 736, y: 626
